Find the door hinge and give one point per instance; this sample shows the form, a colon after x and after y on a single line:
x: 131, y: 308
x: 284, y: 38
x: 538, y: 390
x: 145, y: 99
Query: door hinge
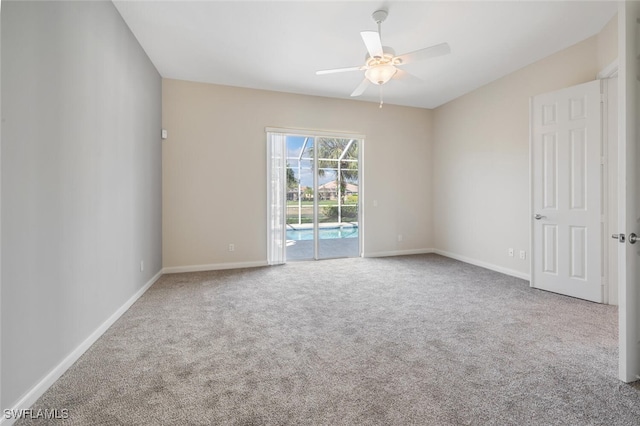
x: 602, y: 160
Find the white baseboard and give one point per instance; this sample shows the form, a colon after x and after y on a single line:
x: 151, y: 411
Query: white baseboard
x: 36, y: 392
x: 212, y: 267
x: 486, y: 265
x: 397, y: 252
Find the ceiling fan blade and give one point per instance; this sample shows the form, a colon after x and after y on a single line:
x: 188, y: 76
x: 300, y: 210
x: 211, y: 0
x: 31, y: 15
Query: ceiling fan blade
x: 361, y: 88
x: 372, y: 41
x: 335, y: 70
x: 426, y: 53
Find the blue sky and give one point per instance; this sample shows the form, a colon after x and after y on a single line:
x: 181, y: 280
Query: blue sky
x: 294, y: 144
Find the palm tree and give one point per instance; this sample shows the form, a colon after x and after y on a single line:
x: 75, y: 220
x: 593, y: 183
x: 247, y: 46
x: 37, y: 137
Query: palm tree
x: 340, y: 156
x: 292, y: 182
x: 337, y: 154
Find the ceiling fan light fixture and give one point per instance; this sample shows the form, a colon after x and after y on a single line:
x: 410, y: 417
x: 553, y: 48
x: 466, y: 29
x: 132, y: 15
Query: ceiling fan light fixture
x: 380, y: 74
x: 381, y: 61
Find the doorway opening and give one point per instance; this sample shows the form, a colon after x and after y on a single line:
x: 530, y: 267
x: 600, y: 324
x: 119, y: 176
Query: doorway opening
x: 320, y: 208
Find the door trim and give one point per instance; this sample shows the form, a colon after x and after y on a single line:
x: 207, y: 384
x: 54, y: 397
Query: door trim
x: 628, y: 293
x: 609, y: 71
x: 313, y: 133
x: 610, y: 179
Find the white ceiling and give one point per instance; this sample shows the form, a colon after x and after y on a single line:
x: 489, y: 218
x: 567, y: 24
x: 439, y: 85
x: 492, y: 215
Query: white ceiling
x: 278, y: 45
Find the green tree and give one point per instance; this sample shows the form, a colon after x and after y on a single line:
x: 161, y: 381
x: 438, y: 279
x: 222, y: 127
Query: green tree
x: 330, y: 153
x: 308, y: 192
x: 292, y: 182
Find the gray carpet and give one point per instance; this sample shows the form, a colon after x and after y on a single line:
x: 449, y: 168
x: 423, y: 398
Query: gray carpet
x: 327, y: 248
x: 395, y: 341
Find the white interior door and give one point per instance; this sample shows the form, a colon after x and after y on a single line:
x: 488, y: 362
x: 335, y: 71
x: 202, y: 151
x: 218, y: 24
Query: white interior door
x: 629, y: 191
x: 566, y: 181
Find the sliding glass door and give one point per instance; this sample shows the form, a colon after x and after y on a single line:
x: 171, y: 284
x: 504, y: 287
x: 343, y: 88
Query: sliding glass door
x: 321, y: 185
x: 337, y: 197
x: 300, y: 217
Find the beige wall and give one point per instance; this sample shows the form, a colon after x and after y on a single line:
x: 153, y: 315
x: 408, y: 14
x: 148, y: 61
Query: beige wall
x: 481, y: 160
x: 475, y: 208
x: 608, y: 44
x: 214, y: 170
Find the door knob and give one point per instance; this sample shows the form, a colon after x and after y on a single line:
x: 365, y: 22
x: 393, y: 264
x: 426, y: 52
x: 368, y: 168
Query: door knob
x: 633, y: 238
x: 620, y: 237
x: 538, y: 216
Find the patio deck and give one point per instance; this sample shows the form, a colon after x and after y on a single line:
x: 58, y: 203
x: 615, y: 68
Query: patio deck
x: 328, y: 247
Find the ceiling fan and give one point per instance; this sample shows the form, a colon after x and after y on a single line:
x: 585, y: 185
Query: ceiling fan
x: 381, y: 63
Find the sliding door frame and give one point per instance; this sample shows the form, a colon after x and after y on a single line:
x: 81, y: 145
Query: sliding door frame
x: 315, y: 135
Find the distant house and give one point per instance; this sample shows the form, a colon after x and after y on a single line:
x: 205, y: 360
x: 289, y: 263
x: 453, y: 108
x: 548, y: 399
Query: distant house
x: 329, y: 190
x: 305, y: 194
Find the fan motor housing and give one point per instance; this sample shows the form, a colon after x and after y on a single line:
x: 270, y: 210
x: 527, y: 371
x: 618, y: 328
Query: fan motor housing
x: 389, y: 54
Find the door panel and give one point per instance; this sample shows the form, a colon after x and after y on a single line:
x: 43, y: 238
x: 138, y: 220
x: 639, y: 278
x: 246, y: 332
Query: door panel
x: 567, y: 192
x: 578, y: 252
x: 322, y: 197
x: 338, y: 174
x: 578, y: 171
x: 550, y: 249
x: 549, y: 168
x: 300, y: 210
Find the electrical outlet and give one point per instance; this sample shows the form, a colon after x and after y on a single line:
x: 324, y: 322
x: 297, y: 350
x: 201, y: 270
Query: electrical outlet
x: 399, y: 237
x: 142, y: 266
x: 523, y: 254
x: 232, y: 247
x: 510, y: 252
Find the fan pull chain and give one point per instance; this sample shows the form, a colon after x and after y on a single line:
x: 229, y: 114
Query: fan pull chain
x: 381, y: 102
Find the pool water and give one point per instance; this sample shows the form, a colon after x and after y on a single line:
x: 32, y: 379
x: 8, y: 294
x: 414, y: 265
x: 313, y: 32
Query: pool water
x: 323, y: 233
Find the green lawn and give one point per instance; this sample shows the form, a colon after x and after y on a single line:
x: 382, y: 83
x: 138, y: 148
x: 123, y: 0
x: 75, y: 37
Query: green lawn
x: 326, y: 213
x: 310, y: 203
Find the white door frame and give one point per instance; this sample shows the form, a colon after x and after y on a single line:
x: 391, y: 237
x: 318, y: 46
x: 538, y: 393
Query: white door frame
x: 314, y: 134
x: 609, y: 183
x: 628, y: 133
